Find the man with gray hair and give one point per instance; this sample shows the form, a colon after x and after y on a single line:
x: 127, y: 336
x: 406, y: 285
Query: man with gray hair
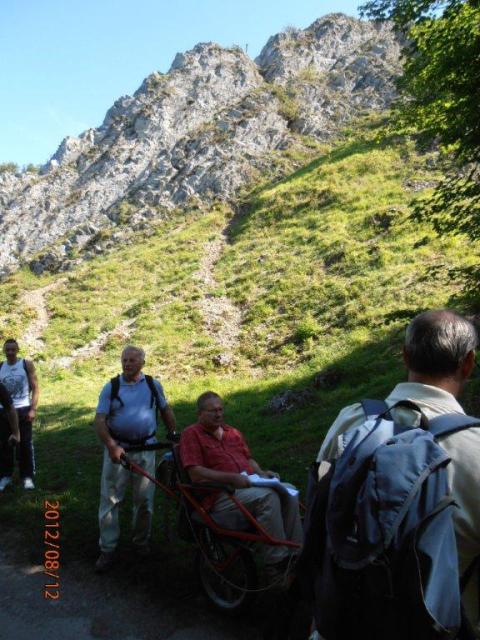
x: 439, y: 353
x: 127, y: 415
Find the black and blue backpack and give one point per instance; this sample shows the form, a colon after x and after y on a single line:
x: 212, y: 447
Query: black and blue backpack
x: 380, y: 558
x: 115, y: 389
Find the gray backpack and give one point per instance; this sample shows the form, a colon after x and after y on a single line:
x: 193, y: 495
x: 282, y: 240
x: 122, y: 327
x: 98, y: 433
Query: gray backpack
x: 380, y: 557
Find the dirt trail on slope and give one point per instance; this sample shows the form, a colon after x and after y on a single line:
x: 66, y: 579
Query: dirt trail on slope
x: 32, y: 339
x: 122, y: 330
x: 222, y: 318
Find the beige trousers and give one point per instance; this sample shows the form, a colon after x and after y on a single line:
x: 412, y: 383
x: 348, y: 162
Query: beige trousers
x: 112, y: 491
x: 277, y: 513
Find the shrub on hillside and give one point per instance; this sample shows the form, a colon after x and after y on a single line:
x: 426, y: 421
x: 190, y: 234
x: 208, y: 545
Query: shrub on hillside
x: 8, y: 167
x: 308, y: 328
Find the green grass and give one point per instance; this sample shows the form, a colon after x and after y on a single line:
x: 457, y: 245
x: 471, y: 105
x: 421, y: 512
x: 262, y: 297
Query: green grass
x: 151, y: 283
x: 329, y: 255
x: 327, y: 268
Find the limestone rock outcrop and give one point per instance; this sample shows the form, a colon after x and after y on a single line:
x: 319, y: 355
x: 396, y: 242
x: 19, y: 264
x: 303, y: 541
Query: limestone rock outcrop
x: 196, y: 133
x: 337, y: 67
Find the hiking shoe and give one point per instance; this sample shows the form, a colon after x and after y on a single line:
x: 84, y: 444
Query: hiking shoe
x: 28, y: 483
x: 105, y: 561
x: 4, y: 482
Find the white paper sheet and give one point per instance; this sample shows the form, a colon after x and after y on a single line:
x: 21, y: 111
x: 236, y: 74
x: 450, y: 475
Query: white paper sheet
x: 273, y: 483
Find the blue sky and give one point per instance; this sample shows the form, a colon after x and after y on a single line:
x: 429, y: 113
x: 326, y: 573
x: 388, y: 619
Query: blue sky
x: 64, y: 62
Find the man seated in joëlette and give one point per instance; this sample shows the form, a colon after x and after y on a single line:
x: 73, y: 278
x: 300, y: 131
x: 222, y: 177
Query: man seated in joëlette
x: 212, y: 451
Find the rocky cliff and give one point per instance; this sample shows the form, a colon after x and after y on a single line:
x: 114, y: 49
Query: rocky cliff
x: 197, y: 133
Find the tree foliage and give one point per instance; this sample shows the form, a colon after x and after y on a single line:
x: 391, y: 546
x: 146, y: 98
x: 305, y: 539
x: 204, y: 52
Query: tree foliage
x: 405, y: 12
x: 440, y: 99
x: 442, y: 76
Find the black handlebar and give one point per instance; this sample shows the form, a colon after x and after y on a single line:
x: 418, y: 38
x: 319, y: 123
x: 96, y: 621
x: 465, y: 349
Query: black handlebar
x: 149, y: 447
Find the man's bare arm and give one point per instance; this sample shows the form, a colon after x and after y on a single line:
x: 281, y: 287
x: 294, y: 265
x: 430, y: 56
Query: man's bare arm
x: 168, y: 418
x: 264, y: 474
x: 199, y: 473
x: 114, y: 450
x: 32, y: 377
x: 12, y: 417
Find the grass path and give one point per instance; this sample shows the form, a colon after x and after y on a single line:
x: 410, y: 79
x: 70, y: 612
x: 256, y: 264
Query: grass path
x: 221, y: 317
x: 122, y: 331
x: 36, y: 299
x: 33, y: 341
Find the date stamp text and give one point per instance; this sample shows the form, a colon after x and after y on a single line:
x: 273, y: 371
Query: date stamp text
x: 51, y: 560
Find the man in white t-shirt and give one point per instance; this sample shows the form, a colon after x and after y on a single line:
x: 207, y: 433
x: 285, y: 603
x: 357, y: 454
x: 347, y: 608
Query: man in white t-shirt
x: 19, y: 377
x: 439, y: 354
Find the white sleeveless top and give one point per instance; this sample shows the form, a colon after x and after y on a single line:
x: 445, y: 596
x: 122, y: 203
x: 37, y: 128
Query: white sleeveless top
x: 15, y: 378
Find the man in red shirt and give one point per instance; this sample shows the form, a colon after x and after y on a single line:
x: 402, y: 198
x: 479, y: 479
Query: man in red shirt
x: 212, y: 451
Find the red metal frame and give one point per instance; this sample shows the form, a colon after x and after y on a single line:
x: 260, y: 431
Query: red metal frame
x: 262, y: 536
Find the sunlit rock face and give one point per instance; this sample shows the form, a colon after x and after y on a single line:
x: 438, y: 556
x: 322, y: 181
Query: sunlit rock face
x: 196, y: 133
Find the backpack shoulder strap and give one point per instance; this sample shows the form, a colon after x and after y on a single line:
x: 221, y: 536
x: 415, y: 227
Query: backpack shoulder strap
x: 115, y: 388
x: 374, y: 407
x: 153, y: 391
x: 27, y: 372
x: 450, y: 423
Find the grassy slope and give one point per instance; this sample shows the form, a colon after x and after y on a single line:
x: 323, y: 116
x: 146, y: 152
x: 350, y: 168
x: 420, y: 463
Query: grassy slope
x: 327, y: 270
x: 328, y: 256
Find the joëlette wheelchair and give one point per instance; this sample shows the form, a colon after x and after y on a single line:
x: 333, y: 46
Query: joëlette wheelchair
x: 224, y: 558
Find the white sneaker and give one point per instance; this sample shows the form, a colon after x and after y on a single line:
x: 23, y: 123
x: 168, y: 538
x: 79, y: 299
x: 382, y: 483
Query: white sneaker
x: 28, y: 483
x: 4, y: 482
